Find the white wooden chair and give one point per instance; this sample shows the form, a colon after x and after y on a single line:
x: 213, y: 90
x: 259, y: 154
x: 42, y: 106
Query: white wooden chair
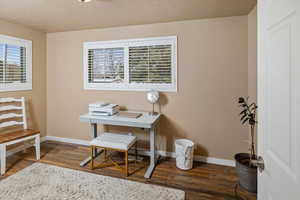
x: 9, y: 113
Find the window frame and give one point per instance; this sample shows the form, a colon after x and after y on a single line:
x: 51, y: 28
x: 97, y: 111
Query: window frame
x: 126, y: 86
x: 8, y: 87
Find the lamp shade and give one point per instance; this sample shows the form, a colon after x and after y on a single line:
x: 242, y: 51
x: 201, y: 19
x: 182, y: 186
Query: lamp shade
x: 153, y: 96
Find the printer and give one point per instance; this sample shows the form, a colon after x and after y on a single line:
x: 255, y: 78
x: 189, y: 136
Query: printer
x: 103, y: 109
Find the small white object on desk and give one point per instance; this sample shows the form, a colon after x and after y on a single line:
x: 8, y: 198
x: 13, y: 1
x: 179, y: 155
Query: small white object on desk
x: 98, y: 104
x: 127, y: 114
x: 103, y: 109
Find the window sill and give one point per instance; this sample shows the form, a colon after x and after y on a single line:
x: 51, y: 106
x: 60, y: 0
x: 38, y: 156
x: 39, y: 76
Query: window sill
x: 138, y: 88
x: 15, y: 89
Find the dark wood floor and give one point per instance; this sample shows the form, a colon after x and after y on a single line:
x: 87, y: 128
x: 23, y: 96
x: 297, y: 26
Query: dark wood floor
x: 204, y: 182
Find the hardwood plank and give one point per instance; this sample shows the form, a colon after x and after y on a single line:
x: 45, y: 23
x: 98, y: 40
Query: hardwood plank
x: 203, y: 182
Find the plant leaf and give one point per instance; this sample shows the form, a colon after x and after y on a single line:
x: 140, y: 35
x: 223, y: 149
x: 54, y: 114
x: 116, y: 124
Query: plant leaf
x: 243, y: 117
x: 241, y: 100
x: 245, y: 120
x: 251, y: 104
x: 244, y: 111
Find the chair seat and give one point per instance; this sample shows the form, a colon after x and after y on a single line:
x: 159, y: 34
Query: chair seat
x: 114, y: 141
x: 7, y: 137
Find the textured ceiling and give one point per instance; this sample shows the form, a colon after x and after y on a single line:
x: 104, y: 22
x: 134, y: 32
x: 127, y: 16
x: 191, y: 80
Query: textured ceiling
x: 66, y: 15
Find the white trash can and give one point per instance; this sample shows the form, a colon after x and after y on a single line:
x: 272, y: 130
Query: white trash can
x: 184, y: 154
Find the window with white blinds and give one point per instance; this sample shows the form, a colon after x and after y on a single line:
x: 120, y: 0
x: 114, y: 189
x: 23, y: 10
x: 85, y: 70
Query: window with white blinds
x: 136, y: 64
x: 150, y: 64
x: 15, y: 64
x: 106, y: 65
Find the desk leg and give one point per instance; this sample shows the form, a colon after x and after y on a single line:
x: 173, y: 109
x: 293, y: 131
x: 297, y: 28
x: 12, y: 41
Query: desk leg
x: 153, y: 158
x: 94, y: 134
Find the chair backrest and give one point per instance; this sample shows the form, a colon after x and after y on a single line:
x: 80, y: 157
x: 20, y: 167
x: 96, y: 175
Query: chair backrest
x: 9, y: 112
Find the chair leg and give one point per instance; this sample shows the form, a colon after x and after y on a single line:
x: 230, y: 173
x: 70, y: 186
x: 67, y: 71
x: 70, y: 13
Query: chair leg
x: 126, y: 163
x: 92, y: 157
x: 3, y: 158
x: 37, y: 147
x: 136, y: 153
x: 25, y: 144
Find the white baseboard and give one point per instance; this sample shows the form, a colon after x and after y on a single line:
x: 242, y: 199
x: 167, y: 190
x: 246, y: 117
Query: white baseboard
x: 67, y: 140
x: 210, y: 160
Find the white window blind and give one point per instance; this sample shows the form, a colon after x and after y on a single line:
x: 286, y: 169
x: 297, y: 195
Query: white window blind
x: 150, y: 64
x: 136, y: 64
x: 15, y: 64
x: 12, y: 63
x: 106, y: 65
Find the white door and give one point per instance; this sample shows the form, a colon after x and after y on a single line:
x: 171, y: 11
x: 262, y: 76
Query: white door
x: 279, y: 99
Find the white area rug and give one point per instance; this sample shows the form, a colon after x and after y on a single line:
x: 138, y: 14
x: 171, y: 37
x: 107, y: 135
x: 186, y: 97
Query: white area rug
x: 46, y: 182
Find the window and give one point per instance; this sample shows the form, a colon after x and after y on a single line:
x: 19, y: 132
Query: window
x: 15, y: 64
x: 138, y: 64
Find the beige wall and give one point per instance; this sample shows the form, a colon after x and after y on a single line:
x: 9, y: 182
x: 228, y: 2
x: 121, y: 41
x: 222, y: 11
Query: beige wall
x: 252, y: 54
x: 212, y: 74
x: 36, y: 98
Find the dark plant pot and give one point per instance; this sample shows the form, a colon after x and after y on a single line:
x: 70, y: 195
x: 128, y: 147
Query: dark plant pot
x: 247, y: 175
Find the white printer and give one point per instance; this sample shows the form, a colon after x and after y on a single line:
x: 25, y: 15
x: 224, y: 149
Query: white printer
x: 103, y: 109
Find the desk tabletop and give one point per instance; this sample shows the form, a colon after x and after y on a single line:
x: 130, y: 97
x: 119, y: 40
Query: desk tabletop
x: 144, y: 121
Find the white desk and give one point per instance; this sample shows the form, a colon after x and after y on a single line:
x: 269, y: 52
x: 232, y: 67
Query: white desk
x: 145, y: 121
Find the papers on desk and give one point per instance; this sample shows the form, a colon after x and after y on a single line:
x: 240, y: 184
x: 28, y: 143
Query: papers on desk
x: 98, y: 104
x: 103, y: 109
x: 132, y: 115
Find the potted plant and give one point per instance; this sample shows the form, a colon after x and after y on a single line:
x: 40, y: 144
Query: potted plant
x: 245, y: 162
